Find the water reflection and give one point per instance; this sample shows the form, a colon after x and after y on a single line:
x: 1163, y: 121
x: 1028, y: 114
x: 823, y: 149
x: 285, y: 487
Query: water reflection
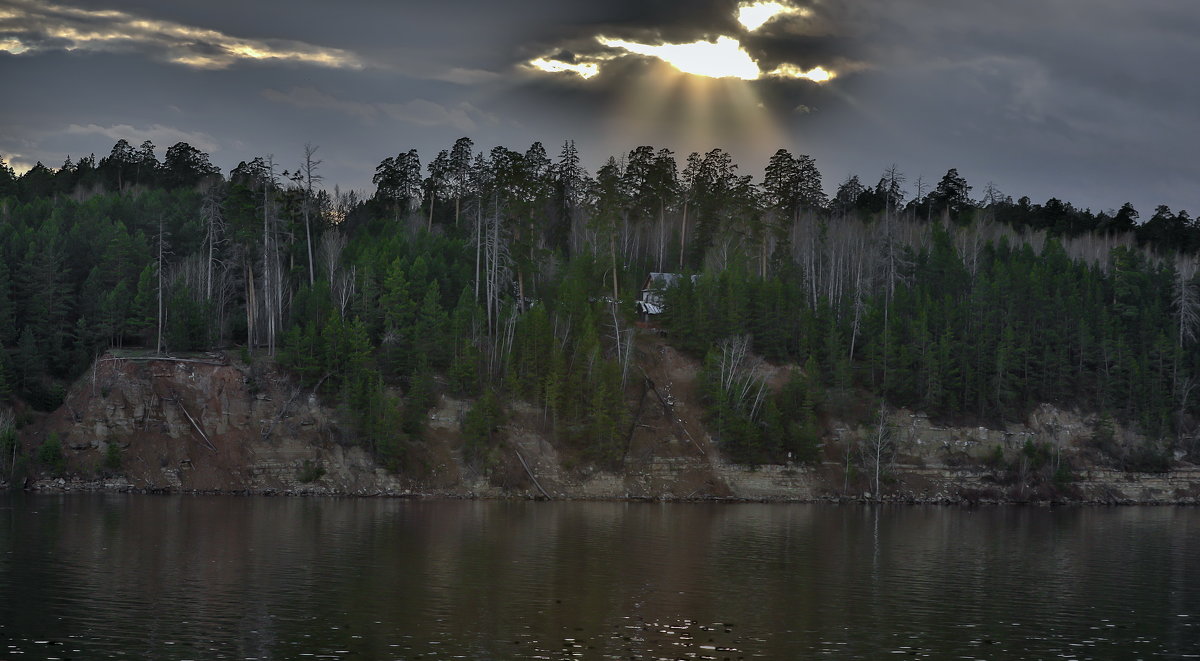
x: 221, y: 577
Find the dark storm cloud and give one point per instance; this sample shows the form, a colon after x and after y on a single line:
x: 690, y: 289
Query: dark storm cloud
x: 652, y: 21
x: 421, y: 112
x: 807, y: 38
x: 1080, y: 99
x: 771, y: 50
x: 1074, y: 99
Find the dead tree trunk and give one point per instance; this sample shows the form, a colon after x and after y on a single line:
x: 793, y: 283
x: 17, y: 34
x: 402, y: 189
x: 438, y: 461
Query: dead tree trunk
x: 158, y: 344
x: 310, y: 177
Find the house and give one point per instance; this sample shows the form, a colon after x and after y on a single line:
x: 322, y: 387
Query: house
x: 652, y: 299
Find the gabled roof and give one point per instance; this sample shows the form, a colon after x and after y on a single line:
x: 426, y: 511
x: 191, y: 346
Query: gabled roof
x: 652, y: 301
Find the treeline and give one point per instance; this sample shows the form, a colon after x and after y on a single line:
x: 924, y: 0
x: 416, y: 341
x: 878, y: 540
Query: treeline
x: 504, y: 274
x: 980, y: 339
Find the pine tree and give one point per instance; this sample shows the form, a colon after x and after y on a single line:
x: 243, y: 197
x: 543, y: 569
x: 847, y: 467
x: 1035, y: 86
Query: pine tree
x: 31, y: 364
x: 142, y: 313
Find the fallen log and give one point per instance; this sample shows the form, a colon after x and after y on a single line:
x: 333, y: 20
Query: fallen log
x: 530, y: 474
x: 196, y: 425
x: 166, y: 359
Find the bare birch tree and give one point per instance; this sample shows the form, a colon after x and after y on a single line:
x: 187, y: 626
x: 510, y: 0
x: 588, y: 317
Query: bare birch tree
x: 497, y: 265
x: 879, y: 451
x: 160, y: 317
x: 1186, y: 299
x: 214, y: 231
x: 310, y: 178
x: 740, y: 375
x: 341, y: 280
x: 272, y: 276
x: 329, y: 251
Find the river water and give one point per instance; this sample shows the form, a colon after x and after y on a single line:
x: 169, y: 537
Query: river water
x: 223, y: 577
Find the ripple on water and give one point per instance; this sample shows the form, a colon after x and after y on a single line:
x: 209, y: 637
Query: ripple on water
x: 227, y: 578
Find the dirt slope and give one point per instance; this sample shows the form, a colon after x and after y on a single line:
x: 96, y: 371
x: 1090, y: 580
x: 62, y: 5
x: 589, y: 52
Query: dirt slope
x: 213, y: 423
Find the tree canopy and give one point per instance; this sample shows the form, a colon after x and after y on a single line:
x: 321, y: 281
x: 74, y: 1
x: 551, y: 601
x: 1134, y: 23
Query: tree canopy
x: 512, y: 273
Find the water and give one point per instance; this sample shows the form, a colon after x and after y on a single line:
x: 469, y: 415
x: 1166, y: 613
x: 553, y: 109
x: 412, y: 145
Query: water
x: 188, y: 577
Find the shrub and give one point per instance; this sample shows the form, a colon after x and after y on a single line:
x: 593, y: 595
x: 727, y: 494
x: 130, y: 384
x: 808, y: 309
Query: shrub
x: 310, y: 472
x: 44, y: 396
x: 480, y: 426
x: 112, y: 457
x: 1147, y: 458
x: 10, y: 450
x: 1063, y: 475
x: 50, y: 454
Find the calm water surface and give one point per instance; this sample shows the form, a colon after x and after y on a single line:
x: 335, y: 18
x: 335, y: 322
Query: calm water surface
x: 186, y: 577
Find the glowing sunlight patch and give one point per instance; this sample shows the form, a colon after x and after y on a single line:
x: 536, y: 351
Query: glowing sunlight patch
x: 13, y: 46
x: 754, y: 15
x: 724, y: 58
x: 815, y: 74
x: 583, y: 69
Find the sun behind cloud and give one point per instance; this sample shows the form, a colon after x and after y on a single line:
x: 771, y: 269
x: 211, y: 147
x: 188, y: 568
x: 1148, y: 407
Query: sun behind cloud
x: 723, y: 58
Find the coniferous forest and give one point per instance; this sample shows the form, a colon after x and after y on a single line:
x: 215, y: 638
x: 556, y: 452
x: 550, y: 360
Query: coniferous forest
x: 503, y: 276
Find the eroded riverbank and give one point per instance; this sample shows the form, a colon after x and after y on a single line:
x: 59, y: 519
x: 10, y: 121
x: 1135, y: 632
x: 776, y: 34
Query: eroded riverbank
x: 762, y: 484
x: 219, y: 426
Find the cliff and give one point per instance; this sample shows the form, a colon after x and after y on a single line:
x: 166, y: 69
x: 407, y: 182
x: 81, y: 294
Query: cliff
x: 211, y: 423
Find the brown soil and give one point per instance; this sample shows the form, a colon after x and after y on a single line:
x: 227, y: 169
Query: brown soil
x: 213, y: 423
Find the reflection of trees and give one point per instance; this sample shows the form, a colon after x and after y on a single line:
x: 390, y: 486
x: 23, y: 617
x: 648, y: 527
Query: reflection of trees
x: 274, y: 578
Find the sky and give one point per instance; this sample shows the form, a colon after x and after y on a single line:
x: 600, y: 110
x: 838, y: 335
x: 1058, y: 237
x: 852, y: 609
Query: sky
x: 1090, y: 101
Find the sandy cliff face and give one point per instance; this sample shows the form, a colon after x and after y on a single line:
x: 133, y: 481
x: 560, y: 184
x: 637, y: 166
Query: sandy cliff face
x: 208, y: 423
x: 212, y: 423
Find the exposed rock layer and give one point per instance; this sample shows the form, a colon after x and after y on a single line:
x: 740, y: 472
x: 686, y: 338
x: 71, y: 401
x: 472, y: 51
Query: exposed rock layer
x: 212, y: 424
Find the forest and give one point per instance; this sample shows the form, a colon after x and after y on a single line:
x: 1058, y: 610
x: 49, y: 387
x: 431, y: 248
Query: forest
x: 503, y: 276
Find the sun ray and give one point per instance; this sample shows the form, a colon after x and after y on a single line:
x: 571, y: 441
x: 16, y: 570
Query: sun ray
x: 755, y: 126
x: 637, y: 114
x: 693, y: 96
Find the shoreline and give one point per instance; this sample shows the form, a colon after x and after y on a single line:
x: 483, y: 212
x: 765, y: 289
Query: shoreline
x: 138, y: 430
x: 46, y: 486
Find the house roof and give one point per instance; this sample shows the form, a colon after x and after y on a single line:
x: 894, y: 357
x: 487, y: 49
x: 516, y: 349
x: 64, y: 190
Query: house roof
x: 650, y: 307
x: 652, y: 301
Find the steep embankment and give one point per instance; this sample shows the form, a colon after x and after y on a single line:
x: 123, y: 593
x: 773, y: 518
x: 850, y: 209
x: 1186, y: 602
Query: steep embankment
x: 204, y: 423
x: 213, y: 423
